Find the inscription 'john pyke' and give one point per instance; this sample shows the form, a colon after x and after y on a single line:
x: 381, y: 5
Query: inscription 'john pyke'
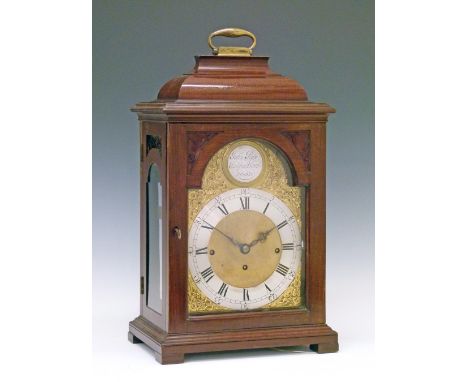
x: 245, y: 163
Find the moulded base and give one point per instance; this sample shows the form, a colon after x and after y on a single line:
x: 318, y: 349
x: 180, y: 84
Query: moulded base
x: 171, y: 348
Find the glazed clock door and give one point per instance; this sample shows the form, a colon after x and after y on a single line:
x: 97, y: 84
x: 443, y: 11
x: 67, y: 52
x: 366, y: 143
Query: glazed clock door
x: 245, y: 245
x: 153, y: 222
x: 248, y: 248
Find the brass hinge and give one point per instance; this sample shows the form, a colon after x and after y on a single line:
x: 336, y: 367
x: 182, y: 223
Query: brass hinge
x: 142, y: 285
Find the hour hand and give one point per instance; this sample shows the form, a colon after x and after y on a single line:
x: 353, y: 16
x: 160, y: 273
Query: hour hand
x: 262, y: 236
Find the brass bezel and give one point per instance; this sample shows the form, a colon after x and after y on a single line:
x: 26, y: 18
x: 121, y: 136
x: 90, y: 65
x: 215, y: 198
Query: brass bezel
x: 225, y: 165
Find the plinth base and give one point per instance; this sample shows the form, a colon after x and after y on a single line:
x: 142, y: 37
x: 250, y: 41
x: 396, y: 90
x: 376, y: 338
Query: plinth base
x: 171, y: 348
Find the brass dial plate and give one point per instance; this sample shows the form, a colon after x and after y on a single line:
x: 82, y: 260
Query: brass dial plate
x: 252, y: 203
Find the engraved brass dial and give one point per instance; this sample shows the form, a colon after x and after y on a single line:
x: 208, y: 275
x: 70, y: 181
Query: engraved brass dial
x: 240, y: 229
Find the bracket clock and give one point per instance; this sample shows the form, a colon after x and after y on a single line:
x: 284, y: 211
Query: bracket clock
x: 232, y: 210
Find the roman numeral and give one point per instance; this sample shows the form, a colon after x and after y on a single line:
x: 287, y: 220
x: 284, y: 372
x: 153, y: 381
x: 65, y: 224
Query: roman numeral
x: 208, y: 225
x: 223, y: 290
x: 288, y: 246
x: 266, y: 207
x: 201, y: 251
x: 268, y: 288
x: 223, y: 209
x: 207, y: 274
x: 246, y: 295
x: 282, y: 269
x: 245, y: 202
x: 282, y: 224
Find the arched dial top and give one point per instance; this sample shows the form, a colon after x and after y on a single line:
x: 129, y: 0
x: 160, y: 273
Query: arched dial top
x: 244, y: 248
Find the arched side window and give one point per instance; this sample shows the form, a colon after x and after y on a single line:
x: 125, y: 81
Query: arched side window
x: 154, y: 226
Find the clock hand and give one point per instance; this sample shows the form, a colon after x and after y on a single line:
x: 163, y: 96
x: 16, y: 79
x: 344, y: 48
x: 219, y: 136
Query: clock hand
x: 261, y: 237
x: 226, y: 236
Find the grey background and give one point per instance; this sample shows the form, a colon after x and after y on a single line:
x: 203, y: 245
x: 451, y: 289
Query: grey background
x: 327, y: 45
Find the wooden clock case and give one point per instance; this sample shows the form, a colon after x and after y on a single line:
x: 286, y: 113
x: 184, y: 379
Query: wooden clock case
x: 195, y: 115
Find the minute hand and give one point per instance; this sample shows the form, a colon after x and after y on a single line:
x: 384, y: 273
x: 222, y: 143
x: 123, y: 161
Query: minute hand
x: 226, y: 236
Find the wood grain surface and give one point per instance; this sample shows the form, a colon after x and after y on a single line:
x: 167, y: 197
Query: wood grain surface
x: 195, y: 115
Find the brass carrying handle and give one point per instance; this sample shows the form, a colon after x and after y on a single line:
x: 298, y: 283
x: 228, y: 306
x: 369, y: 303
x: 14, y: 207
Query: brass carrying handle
x: 232, y: 50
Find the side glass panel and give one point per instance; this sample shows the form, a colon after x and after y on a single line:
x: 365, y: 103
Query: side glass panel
x: 154, y: 226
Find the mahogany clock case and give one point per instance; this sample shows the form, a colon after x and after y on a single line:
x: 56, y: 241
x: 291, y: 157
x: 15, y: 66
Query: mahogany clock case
x: 180, y: 131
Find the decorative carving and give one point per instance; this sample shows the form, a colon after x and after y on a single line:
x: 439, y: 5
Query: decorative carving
x: 153, y: 142
x: 275, y: 181
x: 301, y: 141
x: 195, y: 141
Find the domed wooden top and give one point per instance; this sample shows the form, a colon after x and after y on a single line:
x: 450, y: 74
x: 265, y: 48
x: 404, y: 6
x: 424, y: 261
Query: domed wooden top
x: 232, y: 85
x: 227, y: 78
